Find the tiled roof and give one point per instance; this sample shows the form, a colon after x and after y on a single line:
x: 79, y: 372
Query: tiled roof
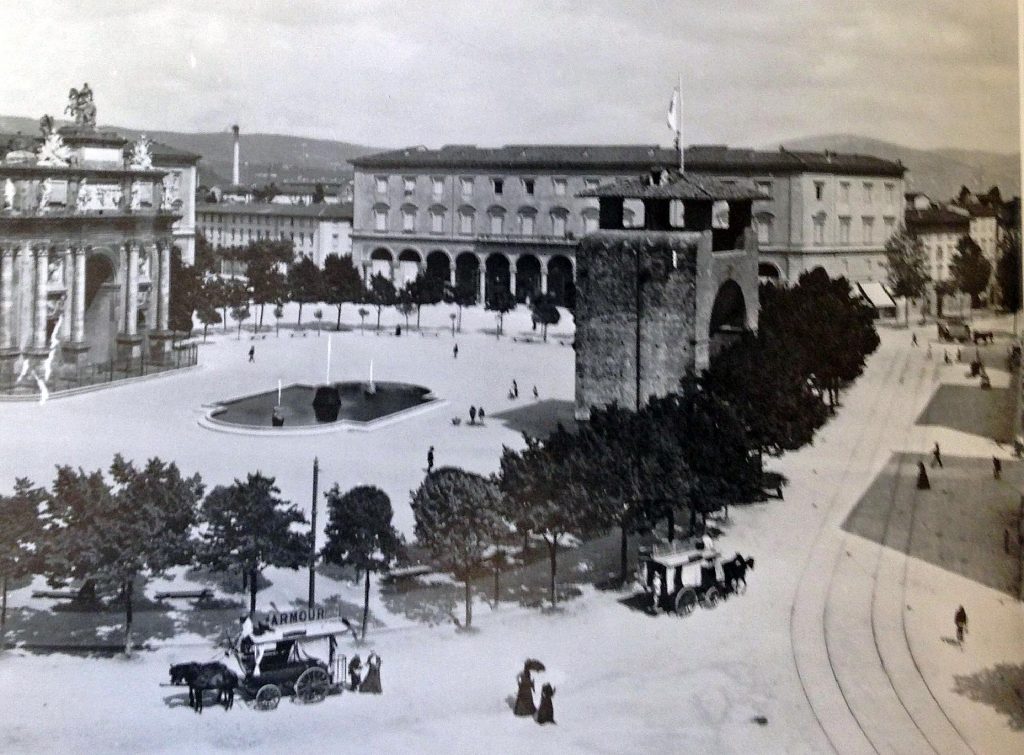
x: 936, y: 217
x: 701, y: 158
x: 687, y: 186
x: 161, y: 151
x: 341, y: 211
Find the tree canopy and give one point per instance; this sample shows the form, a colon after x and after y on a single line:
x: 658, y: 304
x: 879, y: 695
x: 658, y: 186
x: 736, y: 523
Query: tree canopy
x: 304, y: 282
x: 906, y: 265
x: 341, y: 282
x: 1008, y: 271
x: 970, y: 270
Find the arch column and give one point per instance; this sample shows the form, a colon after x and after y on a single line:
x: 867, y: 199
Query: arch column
x: 131, y: 323
x: 8, y: 351
x: 153, y: 308
x: 482, y: 272
x: 78, y: 301
x: 26, y: 274
x: 544, y: 274
x: 39, y: 321
x: 451, y: 271
x: 513, y: 261
x: 163, y: 317
x: 69, y: 291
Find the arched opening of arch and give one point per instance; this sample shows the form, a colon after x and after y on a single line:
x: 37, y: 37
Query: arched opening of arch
x: 728, y: 317
x: 439, y: 267
x: 408, y: 266
x: 380, y: 262
x: 467, y: 272
x: 101, y: 306
x: 497, y: 276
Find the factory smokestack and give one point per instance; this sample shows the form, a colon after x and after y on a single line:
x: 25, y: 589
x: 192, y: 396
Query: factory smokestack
x: 235, y: 179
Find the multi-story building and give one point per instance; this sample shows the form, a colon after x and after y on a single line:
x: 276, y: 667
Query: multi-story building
x: 511, y: 216
x: 939, y: 229
x: 315, y: 231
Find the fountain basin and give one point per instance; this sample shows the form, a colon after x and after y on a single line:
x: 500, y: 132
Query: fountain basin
x: 354, y: 409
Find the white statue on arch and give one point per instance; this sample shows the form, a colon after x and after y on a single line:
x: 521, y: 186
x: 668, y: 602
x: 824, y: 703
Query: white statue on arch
x: 8, y: 200
x: 43, y: 197
x: 171, y: 199
x: 54, y: 152
x: 141, y: 157
x: 84, y: 198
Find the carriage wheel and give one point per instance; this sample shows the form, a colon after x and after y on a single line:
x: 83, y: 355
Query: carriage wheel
x: 711, y: 597
x: 312, y: 685
x: 686, y: 601
x: 267, y: 697
x: 739, y: 586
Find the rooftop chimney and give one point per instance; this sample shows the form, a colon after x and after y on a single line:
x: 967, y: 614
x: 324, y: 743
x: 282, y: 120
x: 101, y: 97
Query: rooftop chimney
x: 235, y: 179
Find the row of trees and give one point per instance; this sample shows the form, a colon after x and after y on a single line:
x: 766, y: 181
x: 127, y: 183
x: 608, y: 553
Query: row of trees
x: 689, y: 453
x: 970, y: 272
x: 197, y: 291
x: 135, y: 523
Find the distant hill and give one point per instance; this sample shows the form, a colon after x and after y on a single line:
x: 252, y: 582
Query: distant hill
x: 939, y: 173
x: 264, y: 157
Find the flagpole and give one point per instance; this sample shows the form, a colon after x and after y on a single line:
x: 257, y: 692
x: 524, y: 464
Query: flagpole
x: 679, y: 127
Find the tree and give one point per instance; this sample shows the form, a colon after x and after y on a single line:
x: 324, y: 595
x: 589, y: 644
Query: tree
x: 304, y: 282
x: 462, y: 294
x: 319, y: 195
x: 206, y: 257
x: 548, y: 491
x: 360, y: 534
x: 278, y: 314
x: 19, y: 539
x: 186, y: 287
x: 501, y: 300
x: 544, y: 310
x: 240, y: 313
x: 382, y: 294
x: 424, y: 289
x: 250, y: 528
x: 906, y: 267
x: 266, y: 193
x: 318, y: 315
x: 363, y: 312
x: 267, y: 283
x: 405, y: 303
x: 230, y: 293
x: 1008, y: 271
x: 207, y: 309
x: 341, y: 282
x: 458, y: 515
x: 970, y: 270
x: 136, y: 526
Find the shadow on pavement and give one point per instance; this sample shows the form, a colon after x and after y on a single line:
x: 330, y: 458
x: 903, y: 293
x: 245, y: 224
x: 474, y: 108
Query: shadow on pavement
x: 958, y: 525
x: 1001, y: 687
x: 537, y: 418
x: 969, y: 409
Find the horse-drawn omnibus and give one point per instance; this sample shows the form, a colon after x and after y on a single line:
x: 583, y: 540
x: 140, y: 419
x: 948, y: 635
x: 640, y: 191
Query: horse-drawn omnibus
x: 289, y: 658
x: 679, y: 577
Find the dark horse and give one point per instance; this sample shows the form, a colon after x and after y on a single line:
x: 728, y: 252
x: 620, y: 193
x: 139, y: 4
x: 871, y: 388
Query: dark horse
x: 735, y: 572
x: 203, y: 676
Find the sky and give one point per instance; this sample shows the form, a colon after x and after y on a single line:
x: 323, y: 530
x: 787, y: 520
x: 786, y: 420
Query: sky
x: 923, y: 73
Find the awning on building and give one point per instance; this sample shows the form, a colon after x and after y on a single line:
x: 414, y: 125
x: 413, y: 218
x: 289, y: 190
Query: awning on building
x: 877, y: 295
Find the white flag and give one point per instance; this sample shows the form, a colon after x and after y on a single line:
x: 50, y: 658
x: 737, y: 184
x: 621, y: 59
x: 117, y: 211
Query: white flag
x: 673, y: 111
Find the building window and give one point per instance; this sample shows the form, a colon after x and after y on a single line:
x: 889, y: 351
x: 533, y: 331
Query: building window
x: 765, y: 187
x: 591, y: 183
x: 869, y: 229
x: 590, y: 220
x: 763, y: 222
x: 408, y: 219
x: 497, y: 222
x: 819, y: 229
x: 436, y: 221
x: 890, y: 225
x: 528, y: 184
x: 409, y: 183
x: 498, y: 185
x: 558, y: 223
x: 819, y: 190
x: 869, y: 189
x: 437, y: 186
x: 467, y: 186
x: 890, y: 193
x: 844, y: 192
x: 844, y: 230
x: 466, y: 222
x: 559, y: 184
x: 526, y: 223
x: 382, y: 184
x: 380, y: 219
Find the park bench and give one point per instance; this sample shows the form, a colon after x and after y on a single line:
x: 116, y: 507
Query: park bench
x: 771, y: 485
x: 85, y: 593
x: 407, y: 572
x: 204, y: 594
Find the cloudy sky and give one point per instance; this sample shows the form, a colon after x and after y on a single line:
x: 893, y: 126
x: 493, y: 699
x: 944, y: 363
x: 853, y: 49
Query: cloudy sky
x: 924, y: 73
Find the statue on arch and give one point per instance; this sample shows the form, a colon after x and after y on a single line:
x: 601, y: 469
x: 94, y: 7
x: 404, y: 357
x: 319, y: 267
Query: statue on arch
x: 46, y: 124
x: 81, y: 107
x: 141, y: 157
x: 53, y: 151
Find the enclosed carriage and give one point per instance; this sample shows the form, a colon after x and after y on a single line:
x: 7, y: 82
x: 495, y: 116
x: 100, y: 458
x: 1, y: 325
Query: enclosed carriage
x: 680, y: 578
x: 290, y: 660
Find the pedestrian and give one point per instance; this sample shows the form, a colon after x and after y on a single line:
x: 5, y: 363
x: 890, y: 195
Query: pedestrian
x: 515, y: 388
x: 945, y: 357
x: 959, y: 356
x: 480, y: 414
x: 371, y: 683
x: 430, y: 459
x: 472, y: 415
x: 913, y: 339
x: 929, y: 354
x: 354, y: 667
x: 961, y: 624
x: 524, y: 705
x: 455, y: 351
x: 922, y: 477
x: 655, y: 592
x: 546, y: 709
x: 535, y: 393
x: 997, y: 468
x: 252, y: 353
x: 936, y: 456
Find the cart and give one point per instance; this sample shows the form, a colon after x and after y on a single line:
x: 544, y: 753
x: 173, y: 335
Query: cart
x: 682, y: 577
x: 289, y: 660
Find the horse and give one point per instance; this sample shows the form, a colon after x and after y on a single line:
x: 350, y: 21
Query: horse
x: 735, y: 572
x: 203, y: 676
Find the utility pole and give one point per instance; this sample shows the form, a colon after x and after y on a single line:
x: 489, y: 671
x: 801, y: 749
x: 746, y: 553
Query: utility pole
x: 312, y: 535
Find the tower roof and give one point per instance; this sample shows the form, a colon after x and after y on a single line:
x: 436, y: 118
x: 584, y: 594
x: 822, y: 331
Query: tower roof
x: 675, y: 185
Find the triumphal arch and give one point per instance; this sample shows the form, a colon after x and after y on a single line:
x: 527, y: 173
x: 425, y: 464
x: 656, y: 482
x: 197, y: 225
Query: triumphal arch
x: 85, y: 254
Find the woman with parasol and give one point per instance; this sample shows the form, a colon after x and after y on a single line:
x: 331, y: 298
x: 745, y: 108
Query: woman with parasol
x: 524, y: 698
